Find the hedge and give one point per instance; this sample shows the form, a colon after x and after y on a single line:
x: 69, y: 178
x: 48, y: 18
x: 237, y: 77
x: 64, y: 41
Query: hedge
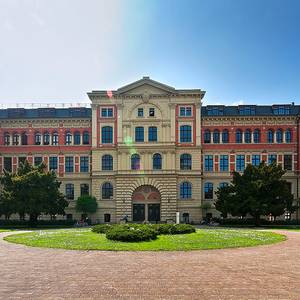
x: 174, y: 228
x: 128, y: 233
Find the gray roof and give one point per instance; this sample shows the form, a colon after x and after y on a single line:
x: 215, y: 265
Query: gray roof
x: 259, y: 110
x: 22, y: 113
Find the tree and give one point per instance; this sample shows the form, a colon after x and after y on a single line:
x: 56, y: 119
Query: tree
x: 86, y: 204
x: 7, y: 205
x: 34, y: 191
x: 259, y: 191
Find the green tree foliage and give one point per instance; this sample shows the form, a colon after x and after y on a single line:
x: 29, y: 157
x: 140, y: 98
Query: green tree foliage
x: 86, y: 204
x: 259, y: 191
x: 33, y: 191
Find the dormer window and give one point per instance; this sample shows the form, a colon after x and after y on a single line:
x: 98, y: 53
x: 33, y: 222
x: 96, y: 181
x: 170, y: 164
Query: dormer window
x: 151, y: 112
x: 215, y: 110
x: 247, y: 110
x: 107, y: 112
x: 281, y: 109
x: 140, y: 112
x: 185, y: 111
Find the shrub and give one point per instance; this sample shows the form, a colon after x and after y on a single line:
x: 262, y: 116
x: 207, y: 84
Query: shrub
x: 101, y: 228
x: 174, y: 228
x: 131, y: 233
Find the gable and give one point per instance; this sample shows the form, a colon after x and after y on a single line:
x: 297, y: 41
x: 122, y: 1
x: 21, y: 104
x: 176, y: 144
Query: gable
x: 145, y: 85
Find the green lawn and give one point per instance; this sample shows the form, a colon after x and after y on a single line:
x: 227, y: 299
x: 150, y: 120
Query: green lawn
x: 84, y: 239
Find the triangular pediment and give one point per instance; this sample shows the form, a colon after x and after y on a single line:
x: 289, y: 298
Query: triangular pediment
x: 145, y: 85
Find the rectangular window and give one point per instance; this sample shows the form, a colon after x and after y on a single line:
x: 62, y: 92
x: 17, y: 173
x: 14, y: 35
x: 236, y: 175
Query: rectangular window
x: 69, y: 164
x: 107, y: 112
x: 7, y: 164
x: 70, y: 191
x: 240, y: 163
x: 185, y: 134
x: 223, y: 163
x: 151, y: 112
x: 255, y: 160
x: 152, y: 134
x: 271, y: 158
x: 288, y: 162
x: 84, y: 189
x: 185, y: 111
x: 209, y: 163
x: 140, y: 112
x: 37, y: 160
x: 107, y: 134
x: 84, y: 163
x: 139, y: 134
x: 53, y: 163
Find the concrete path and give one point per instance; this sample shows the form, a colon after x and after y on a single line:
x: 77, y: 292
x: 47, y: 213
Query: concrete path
x: 264, y: 272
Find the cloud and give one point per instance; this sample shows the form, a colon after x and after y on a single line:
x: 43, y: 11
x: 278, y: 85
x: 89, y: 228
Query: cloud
x: 239, y: 102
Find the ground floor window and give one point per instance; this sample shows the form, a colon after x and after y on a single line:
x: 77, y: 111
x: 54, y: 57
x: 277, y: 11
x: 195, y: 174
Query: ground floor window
x: 84, y: 189
x: 186, y: 218
x: 69, y: 217
x: 106, y: 218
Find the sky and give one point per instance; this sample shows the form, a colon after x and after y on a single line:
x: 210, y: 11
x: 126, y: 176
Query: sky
x: 238, y: 51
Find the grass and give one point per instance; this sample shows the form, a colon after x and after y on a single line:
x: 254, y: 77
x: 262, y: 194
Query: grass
x: 84, y: 239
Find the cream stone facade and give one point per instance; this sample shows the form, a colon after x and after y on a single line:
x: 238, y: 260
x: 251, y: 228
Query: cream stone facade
x: 146, y: 95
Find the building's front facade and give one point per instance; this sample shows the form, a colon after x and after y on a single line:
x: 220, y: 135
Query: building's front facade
x: 148, y: 150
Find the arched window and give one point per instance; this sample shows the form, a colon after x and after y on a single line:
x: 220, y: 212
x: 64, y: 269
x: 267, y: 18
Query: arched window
x: 238, y: 136
x: 85, y: 138
x: 152, y: 134
x: 37, y: 138
x: 248, y: 136
x: 208, y: 190
x: 107, y: 135
x: 107, y: 162
x: 185, y: 161
x: 185, y: 134
x: 46, y: 138
x: 68, y: 140
x: 6, y: 139
x: 225, y: 136
x: 157, y: 161
x: 270, y: 136
x: 279, y: 137
x: 216, y: 136
x: 16, y: 139
x: 107, y: 190
x: 24, y: 139
x: 207, y: 136
x: 139, y: 134
x: 185, y: 190
x: 256, y: 136
x: 55, y: 138
x: 135, y: 162
x: 288, y: 136
x: 77, y: 138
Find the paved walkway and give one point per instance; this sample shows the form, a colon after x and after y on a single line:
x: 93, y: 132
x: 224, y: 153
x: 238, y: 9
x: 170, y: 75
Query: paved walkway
x: 264, y: 272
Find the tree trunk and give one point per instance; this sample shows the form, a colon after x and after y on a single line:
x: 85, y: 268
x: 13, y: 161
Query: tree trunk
x: 33, y: 220
x: 257, y: 220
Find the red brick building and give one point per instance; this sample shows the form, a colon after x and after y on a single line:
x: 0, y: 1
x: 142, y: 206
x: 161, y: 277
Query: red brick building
x: 148, y: 150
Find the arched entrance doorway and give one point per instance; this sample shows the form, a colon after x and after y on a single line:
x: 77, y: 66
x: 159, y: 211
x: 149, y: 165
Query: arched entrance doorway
x: 146, y: 204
